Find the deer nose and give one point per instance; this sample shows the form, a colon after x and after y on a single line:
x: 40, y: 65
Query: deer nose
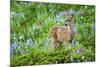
x: 65, y: 24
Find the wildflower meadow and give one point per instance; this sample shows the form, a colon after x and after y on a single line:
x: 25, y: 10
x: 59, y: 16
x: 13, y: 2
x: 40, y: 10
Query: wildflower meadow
x: 30, y: 24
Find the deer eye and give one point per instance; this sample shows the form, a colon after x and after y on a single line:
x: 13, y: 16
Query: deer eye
x: 65, y: 24
x: 68, y: 20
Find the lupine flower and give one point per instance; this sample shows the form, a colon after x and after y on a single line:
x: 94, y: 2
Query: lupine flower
x: 57, y: 18
x: 93, y: 27
x: 83, y: 30
x: 23, y: 51
x: 71, y: 12
x: 17, y: 14
x: 74, y: 29
x: 16, y: 51
x: 29, y: 42
x: 11, y: 50
x: 46, y: 43
x: 78, y: 60
x: 71, y: 59
x: 22, y: 46
x: 14, y: 45
x: 73, y: 42
x: 78, y: 12
x: 80, y: 22
x: 78, y: 51
x: 63, y: 13
x: 60, y: 17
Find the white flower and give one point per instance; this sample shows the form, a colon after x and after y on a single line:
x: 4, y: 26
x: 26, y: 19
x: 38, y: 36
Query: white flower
x: 21, y: 37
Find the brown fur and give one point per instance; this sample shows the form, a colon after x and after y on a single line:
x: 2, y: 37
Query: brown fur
x: 62, y: 34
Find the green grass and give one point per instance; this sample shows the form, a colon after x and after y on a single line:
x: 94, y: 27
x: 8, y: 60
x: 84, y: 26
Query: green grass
x: 30, y: 25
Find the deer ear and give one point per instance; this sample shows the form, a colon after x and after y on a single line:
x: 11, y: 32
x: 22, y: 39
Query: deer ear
x: 69, y: 18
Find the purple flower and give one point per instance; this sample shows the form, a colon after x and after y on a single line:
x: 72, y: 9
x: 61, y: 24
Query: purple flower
x: 63, y: 13
x: 16, y: 51
x: 71, y: 12
x: 29, y: 42
x: 59, y: 19
x: 14, y: 45
x: 74, y: 29
x: 78, y: 51
x: 23, y: 51
x: 78, y: 60
x: 78, y: 12
x: 80, y: 22
x: 46, y: 43
x: 93, y: 27
x: 22, y: 46
x: 73, y: 42
x: 83, y: 30
x: 11, y: 50
x: 71, y: 59
x: 18, y: 14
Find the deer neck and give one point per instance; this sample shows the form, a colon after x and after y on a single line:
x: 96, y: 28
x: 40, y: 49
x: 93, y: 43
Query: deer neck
x: 68, y: 28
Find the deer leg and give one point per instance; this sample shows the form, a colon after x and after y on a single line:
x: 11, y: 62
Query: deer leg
x: 65, y: 44
x: 55, y: 44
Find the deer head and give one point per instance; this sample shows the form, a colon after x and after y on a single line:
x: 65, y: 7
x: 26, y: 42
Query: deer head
x: 69, y: 21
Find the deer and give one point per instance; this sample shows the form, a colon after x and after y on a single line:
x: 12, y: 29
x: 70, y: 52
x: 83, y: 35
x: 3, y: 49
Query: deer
x: 62, y: 34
